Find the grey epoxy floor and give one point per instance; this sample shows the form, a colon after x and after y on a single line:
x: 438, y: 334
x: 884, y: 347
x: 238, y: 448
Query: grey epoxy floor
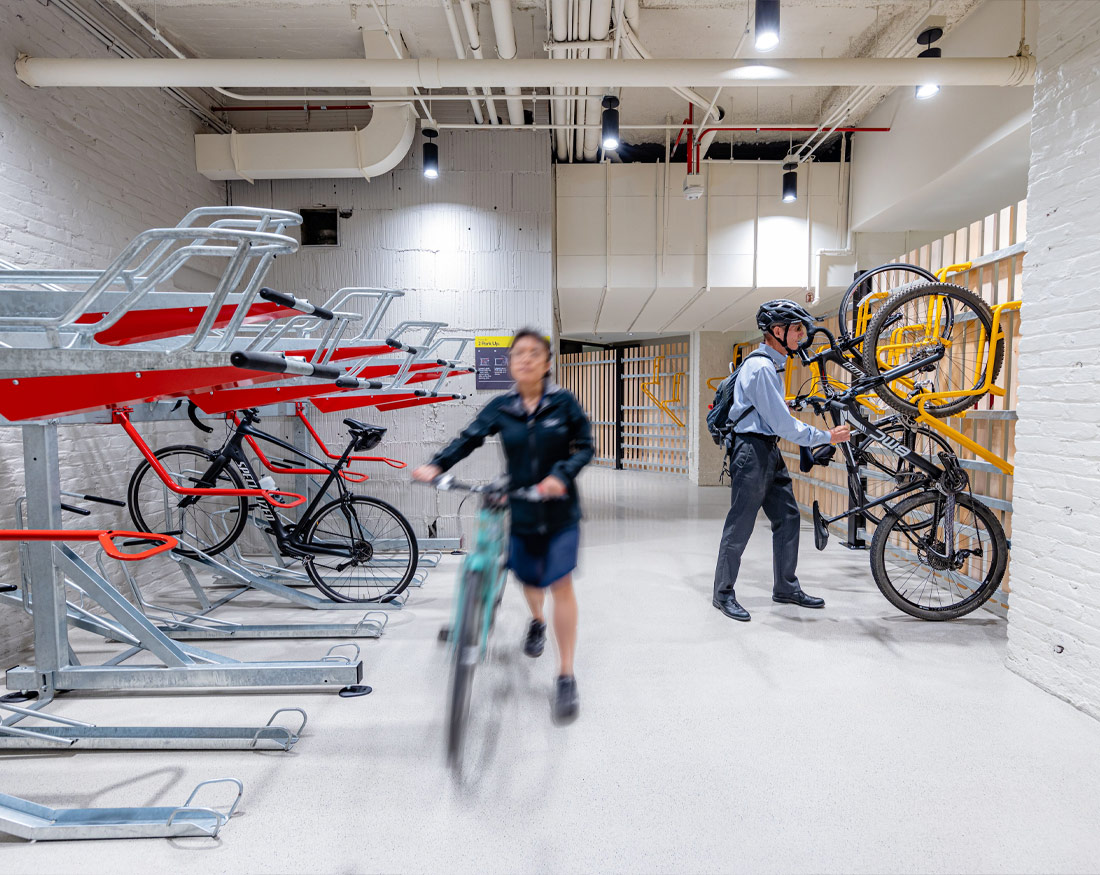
x: 849, y: 739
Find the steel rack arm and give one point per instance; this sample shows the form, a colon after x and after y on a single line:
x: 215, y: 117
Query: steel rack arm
x: 106, y: 538
x: 122, y: 417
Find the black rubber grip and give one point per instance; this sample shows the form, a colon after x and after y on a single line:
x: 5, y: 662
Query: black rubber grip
x: 346, y: 382
x: 276, y: 364
x: 74, y: 509
x: 114, y: 502
x: 397, y: 344
x: 286, y: 300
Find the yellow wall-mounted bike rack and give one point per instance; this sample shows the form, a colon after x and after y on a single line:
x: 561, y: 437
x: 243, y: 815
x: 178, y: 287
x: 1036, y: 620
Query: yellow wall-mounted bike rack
x: 988, y: 387
x: 655, y: 380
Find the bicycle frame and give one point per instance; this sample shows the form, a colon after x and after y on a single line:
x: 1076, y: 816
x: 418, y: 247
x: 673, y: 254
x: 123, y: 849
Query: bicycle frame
x: 288, y: 539
x: 844, y: 408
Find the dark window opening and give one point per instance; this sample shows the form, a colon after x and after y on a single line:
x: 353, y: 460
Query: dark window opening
x: 319, y: 226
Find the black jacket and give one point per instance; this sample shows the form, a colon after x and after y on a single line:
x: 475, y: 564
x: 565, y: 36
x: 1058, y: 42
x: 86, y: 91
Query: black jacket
x: 556, y: 439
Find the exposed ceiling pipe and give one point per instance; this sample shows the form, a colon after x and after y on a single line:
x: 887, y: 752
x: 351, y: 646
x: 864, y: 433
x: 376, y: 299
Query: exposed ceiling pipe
x: 473, y: 36
x: 559, y: 24
x: 600, y: 30
x: 444, y: 73
x: 693, y: 97
x: 852, y: 100
x: 582, y: 33
x: 460, y: 51
x: 505, y: 29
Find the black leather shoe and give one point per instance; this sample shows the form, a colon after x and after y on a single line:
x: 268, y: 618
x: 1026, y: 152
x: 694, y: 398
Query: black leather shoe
x: 731, y: 609
x: 798, y: 597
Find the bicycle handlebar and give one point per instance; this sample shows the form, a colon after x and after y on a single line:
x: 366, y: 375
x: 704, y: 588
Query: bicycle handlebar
x: 499, y: 488
x: 277, y: 364
x: 302, y: 306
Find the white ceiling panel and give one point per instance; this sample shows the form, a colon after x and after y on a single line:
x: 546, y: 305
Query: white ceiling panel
x: 577, y: 309
x: 582, y: 224
x: 620, y: 308
x: 634, y: 226
x: 581, y: 271
x: 632, y: 270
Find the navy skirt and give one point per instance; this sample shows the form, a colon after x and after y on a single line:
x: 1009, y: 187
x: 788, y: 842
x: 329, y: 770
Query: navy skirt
x: 540, y: 560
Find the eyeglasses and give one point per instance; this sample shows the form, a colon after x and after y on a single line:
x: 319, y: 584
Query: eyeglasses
x: 530, y: 353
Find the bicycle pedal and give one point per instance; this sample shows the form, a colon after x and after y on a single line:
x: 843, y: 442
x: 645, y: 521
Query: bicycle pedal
x: 354, y: 690
x: 821, y: 530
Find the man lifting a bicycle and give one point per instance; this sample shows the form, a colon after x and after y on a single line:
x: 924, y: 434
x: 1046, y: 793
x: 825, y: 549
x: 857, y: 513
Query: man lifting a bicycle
x: 758, y: 418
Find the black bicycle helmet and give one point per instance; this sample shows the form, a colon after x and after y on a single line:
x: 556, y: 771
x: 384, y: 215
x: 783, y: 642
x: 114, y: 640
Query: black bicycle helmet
x: 782, y: 312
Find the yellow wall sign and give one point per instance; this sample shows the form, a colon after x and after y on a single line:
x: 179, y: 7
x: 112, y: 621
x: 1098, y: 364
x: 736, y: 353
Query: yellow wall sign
x: 494, y: 342
x: 491, y: 361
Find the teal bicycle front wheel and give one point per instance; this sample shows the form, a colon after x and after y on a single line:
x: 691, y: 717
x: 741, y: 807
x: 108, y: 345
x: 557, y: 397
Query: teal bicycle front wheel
x: 467, y: 636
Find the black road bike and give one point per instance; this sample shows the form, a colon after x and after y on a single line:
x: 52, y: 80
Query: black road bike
x: 938, y: 552
x: 355, y: 548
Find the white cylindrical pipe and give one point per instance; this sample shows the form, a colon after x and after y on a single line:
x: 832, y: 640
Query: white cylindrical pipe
x: 599, y: 30
x: 559, y: 28
x: 445, y: 73
x: 505, y: 30
x: 460, y: 51
x: 473, y: 35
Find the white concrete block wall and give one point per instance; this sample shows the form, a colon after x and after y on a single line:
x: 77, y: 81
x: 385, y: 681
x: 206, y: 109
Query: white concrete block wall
x: 1054, y: 624
x: 81, y: 172
x: 471, y: 248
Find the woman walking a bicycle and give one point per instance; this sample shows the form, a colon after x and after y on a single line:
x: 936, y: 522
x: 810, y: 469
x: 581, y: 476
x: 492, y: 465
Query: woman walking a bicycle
x: 547, y: 440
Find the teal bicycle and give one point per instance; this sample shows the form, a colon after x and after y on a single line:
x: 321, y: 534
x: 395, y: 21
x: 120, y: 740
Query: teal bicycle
x: 480, y: 590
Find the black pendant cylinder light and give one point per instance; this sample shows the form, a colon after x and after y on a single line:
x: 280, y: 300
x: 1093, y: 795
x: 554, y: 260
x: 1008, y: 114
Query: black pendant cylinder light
x: 790, y: 182
x: 431, y: 154
x: 610, y: 132
x: 926, y: 38
x: 767, y: 25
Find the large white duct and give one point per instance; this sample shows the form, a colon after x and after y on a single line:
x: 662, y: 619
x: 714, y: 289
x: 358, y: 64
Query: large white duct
x: 505, y: 30
x: 375, y: 150
x: 445, y: 73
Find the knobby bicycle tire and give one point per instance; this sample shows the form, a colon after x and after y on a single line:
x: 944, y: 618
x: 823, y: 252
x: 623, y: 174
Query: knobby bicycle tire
x: 340, y: 520
x: 997, y: 559
x: 467, y: 655
x: 898, y: 299
x: 150, y: 501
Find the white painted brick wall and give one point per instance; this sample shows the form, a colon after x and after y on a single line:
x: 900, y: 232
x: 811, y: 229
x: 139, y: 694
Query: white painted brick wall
x: 471, y: 248
x: 81, y: 172
x: 1054, y: 624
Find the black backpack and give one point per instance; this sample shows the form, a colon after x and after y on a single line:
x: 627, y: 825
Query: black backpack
x: 718, y: 424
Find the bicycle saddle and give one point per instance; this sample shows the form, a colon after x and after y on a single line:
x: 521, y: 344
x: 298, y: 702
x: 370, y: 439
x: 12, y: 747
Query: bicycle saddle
x: 366, y: 436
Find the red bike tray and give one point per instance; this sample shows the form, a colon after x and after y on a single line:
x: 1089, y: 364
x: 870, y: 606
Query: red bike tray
x: 139, y: 326
x: 226, y: 400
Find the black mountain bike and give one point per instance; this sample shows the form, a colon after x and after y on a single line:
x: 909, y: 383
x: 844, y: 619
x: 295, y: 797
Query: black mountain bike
x: 937, y: 554
x: 355, y: 548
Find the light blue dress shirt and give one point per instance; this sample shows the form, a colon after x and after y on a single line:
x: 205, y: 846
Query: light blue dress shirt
x: 758, y: 386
